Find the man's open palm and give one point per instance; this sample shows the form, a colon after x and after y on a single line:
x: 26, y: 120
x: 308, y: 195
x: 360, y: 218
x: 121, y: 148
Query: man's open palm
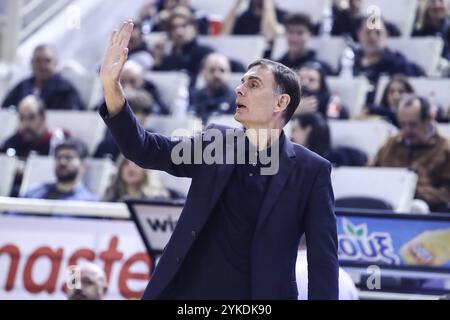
x: 116, y: 54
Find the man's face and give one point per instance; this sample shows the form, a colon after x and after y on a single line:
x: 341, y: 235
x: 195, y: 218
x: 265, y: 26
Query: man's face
x: 91, y: 287
x: 413, y: 129
x: 43, y: 63
x: 256, y: 98
x: 372, y: 38
x: 31, y: 123
x: 216, y: 72
x: 68, y: 165
x: 181, y: 31
x: 297, y: 37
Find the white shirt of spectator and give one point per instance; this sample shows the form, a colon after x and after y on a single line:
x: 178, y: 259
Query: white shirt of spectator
x: 347, y: 289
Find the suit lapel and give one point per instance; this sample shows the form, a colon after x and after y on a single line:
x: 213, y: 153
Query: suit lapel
x: 277, y: 181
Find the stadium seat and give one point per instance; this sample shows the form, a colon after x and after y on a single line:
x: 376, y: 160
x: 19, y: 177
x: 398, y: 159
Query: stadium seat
x: 84, y: 125
x: 413, y: 49
x: 394, y: 186
x: 39, y: 170
x: 244, y: 49
x: 8, y: 124
x: 352, y: 92
x: 178, y: 184
x: 365, y: 135
x: 399, y: 12
x: 436, y: 88
x: 7, y: 173
x: 173, y: 86
x: 328, y: 50
x: 362, y: 203
x: 168, y: 125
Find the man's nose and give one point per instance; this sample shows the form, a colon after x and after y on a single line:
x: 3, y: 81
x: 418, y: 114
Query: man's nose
x: 240, y: 90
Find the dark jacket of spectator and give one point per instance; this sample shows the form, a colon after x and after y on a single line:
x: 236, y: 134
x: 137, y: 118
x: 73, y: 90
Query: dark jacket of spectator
x: 249, y: 23
x: 58, y: 94
x: 310, y: 56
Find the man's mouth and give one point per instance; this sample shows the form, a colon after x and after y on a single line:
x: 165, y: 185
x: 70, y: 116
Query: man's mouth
x: 240, y: 106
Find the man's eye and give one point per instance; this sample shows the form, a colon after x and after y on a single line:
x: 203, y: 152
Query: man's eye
x: 253, y: 85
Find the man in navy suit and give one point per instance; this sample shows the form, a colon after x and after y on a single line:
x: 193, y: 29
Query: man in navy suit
x: 239, y: 231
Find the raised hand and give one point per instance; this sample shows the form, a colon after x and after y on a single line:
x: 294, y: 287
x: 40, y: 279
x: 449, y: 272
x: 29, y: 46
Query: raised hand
x: 112, y: 64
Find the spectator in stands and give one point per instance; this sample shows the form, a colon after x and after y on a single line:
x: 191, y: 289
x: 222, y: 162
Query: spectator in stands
x: 312, y: 131
x: 316, y: 96
x: 347, y: 288
x: 373, y: 58
x: 420, y: 147
x: 141, y: 103
x: 69, y: 167
x: 434, y: 20
x: 347, y: 20
x: 92, y: 283
x: 260, y: 17
x: 186, y: 53
x: 298, y: 34
x: 57, y: 92
x: 133, y: 77
x: 33, y: 134
x: 397, y: 87
x: 154, y: 16
x: 217, y: 97
x: 133, y: 181
x: 138, y: 50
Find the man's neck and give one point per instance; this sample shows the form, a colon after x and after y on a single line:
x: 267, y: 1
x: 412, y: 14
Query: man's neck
x: 263, y: 138
x: 68, y: 186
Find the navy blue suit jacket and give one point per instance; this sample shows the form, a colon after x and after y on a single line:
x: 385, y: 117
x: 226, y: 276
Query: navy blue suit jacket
x: 299, y: 200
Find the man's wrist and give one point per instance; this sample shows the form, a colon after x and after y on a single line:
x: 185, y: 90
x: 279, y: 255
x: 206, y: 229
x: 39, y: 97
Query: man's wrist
x: 114, y: 97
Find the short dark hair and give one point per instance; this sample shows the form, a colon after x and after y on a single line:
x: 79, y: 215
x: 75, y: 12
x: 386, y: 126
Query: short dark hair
x: 73, y: 144
x: 298, y: 19
x: 139, y: 100
x: 425, y: 108
x: 181, y: 12
x: 286, y: 82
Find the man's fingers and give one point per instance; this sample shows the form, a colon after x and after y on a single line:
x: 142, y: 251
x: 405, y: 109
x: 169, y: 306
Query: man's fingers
x: 126, y: 35
x: 112, y: 41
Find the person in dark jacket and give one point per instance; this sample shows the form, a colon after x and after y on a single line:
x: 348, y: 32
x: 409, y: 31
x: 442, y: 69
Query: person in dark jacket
x: 187, y: 53
x: 56, y: 91
x: 373, y: 58
x: 298, y: 35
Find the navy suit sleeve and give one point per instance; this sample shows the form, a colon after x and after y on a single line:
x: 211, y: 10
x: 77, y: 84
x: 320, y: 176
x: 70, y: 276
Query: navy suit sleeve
x: 321, y: 239
x: 146, y: 149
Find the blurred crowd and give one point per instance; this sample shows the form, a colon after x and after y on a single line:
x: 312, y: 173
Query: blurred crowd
x: 417, y: 144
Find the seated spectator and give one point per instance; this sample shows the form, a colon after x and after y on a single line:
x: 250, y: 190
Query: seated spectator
x: 57, y: 92
x: 133, y: 181
x: 373, y: 58
x: 316, y: 96
x: 154, y: 16
x: 347, y: 20
x: 217, y: 97
x: 434, y: 20
x: 132, y: 76
x: 186, y: 53
x: 138, y: 50
x: 141, y: 104
x: 311, y: 130
x: 420, y: 147
x: 33, y: 134
x: 397, y: 87
x: 93, y: 284
x: 259, y: 17
x: 298, y: 34
x: 69, y: 167
x: 347, y: 288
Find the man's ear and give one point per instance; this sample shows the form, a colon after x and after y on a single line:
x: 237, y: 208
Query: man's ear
x: 283, y: 102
